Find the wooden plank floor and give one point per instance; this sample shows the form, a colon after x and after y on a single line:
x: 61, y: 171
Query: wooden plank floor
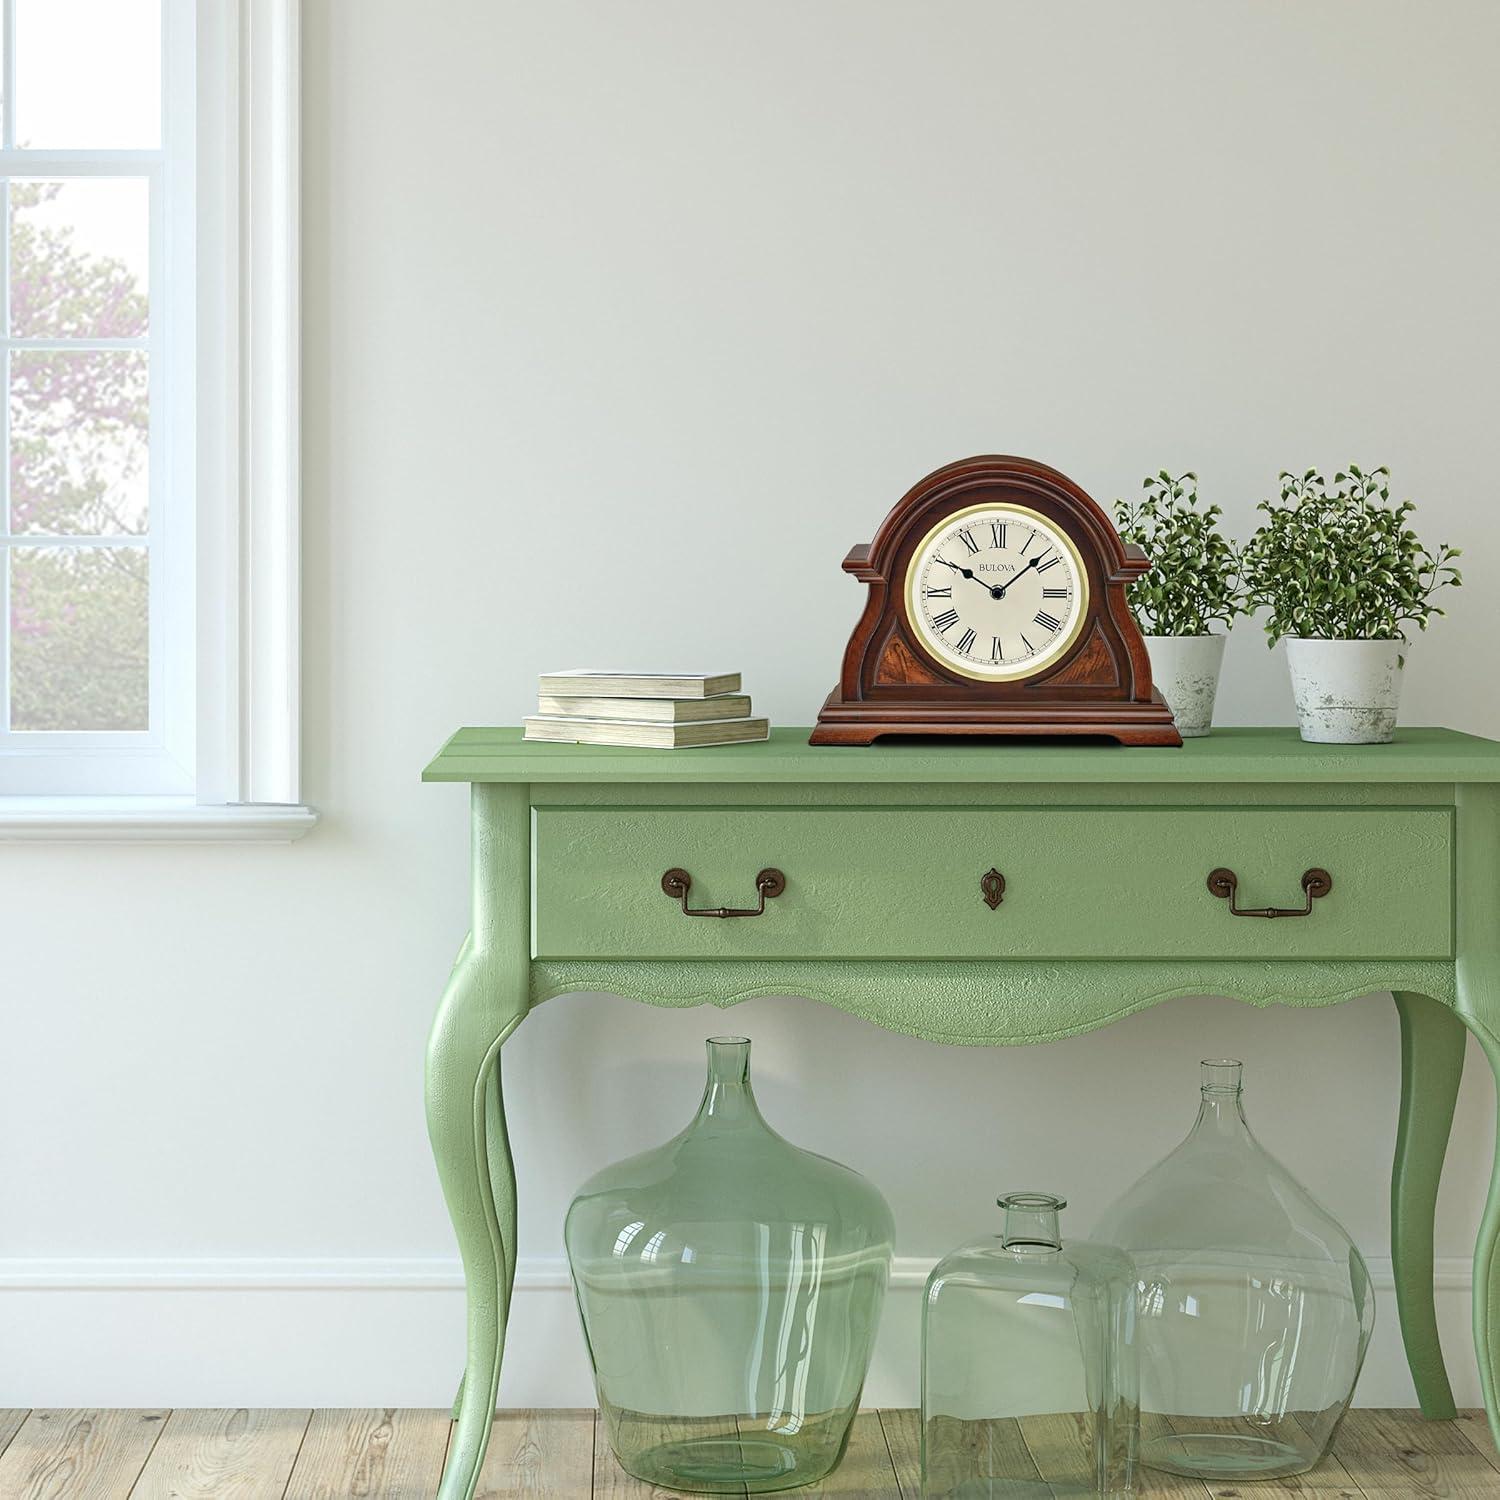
x: 562, y: 1455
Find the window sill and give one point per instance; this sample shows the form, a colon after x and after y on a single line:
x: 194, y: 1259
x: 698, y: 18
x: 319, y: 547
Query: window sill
x: 151, y: 820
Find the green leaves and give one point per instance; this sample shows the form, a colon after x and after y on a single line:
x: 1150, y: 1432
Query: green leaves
x: 1330, y: 562
x: 1339, y: 563
x: 1194, y: 576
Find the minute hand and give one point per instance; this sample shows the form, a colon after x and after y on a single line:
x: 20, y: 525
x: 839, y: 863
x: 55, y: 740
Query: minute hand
x: 997, y: 591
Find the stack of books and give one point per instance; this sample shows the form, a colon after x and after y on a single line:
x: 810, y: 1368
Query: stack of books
x: 653, y: 710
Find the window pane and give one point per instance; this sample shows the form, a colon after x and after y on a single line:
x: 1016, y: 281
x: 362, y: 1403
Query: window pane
x: 79, y: 256
x: 79, y: 629
x: 88, y: 73
x: 78, y: 441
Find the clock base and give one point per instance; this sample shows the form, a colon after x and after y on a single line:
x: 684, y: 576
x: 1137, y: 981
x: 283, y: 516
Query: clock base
x: 1129, y: 722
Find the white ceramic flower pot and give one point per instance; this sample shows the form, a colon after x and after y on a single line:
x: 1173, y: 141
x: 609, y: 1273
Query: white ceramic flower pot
x: 1347, y: 692
x: 1186, y: 670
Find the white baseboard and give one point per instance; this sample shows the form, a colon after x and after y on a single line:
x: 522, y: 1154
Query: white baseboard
x: 356, y: 1331
x: 436, y: 1274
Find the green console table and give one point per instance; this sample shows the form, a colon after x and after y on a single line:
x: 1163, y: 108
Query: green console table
x: 978, y: 895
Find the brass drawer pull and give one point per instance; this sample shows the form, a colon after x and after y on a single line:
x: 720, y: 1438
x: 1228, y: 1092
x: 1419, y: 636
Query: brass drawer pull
x: 992, y: 884
x: 1315, y: 883
x: 677, y: 883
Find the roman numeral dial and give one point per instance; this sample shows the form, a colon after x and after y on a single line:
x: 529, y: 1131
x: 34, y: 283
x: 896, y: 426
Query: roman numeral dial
x: 996, y: 593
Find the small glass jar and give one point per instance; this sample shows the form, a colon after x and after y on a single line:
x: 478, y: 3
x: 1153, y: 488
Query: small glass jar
x: 1028, y: 1364
x: 1255, y: 1306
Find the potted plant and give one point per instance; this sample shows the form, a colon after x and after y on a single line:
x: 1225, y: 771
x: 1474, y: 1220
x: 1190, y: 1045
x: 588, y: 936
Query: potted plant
x: 1193, y: 585
x: 1342, y: 576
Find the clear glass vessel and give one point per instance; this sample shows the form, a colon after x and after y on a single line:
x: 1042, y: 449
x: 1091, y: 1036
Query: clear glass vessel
x: 1255, y: 1308
x: 730, y: 1287
x: 1028, y: 1364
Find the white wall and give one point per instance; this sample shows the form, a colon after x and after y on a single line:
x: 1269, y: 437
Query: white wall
x: 677, y: 298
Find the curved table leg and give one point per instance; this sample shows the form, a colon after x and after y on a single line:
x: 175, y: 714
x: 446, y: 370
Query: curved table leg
x: 463, y: 1074
x: 1432, y: 1060
x: 502, y: 1188
x: 1487, y: 1263
x: 486, y: 999
x: 1477, y: 969
x: 502, y: 1170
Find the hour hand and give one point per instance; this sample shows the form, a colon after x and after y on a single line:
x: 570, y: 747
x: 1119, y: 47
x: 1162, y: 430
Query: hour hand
x: 967, y: 572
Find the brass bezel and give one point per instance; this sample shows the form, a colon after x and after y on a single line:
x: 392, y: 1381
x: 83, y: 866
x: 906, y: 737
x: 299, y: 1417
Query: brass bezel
x: 1012, y: 674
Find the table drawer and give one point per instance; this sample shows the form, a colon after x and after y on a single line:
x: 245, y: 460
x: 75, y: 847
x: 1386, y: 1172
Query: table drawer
x: 1079, y: 882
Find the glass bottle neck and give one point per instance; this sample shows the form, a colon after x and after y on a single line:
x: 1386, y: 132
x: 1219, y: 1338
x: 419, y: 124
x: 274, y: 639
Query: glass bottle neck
x: 1031, y: 1222
x: 1221, y: 1113
x: 728, y: 1099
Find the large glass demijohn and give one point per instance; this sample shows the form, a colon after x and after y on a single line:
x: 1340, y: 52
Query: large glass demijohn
x: 730, y: 1287
x: 1255, y: 1307
x: 1028, y: 1364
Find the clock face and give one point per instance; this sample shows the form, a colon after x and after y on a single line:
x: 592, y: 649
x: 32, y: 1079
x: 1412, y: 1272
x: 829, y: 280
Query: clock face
x: 996, y: 592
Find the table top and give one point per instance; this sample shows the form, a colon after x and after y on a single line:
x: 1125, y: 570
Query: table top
x: 1227, y: 755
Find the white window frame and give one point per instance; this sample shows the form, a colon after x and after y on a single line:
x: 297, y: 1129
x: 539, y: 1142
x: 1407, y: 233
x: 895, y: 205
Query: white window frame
x: 230, y: 562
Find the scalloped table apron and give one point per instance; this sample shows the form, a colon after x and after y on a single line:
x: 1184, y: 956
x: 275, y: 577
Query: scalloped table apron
x: 983, y: 896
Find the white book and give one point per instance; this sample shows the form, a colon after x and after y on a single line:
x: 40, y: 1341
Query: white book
x: 585, y: 682
x: 646, y: 710
x: 645, y: 736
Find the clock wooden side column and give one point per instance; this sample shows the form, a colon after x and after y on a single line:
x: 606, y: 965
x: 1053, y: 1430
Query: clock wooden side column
x: 486, y: 998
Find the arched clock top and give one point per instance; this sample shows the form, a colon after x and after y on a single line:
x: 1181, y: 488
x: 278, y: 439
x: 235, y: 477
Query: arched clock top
x: 1000, y: 477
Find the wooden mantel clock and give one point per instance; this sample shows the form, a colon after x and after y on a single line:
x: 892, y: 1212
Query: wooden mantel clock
x: 996, y: 606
